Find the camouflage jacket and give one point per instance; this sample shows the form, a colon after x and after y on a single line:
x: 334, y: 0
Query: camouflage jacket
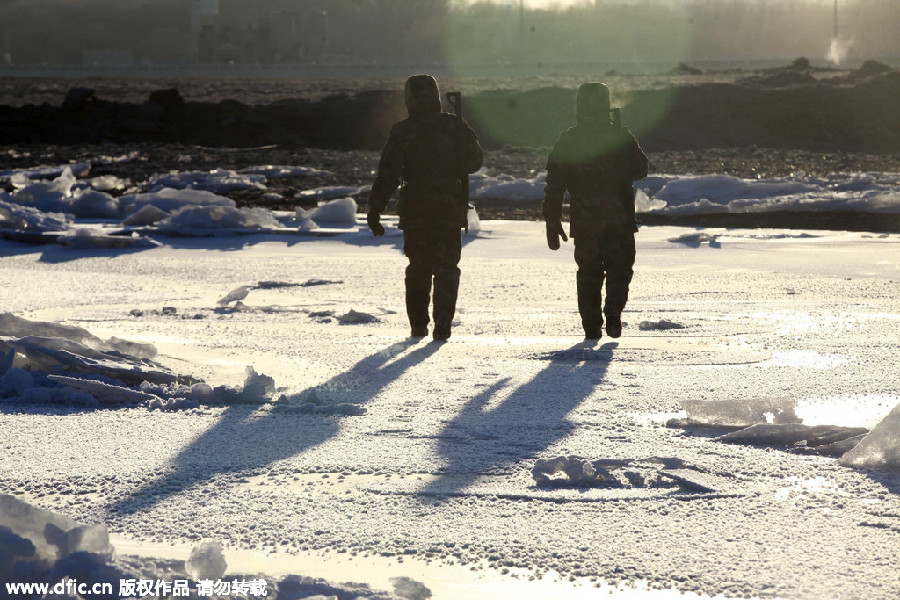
x: 425, y: 153
x: 596, y: 163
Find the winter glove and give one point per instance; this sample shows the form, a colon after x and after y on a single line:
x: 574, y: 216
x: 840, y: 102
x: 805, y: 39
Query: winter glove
x: 373, y: 219
x: 554, y: 232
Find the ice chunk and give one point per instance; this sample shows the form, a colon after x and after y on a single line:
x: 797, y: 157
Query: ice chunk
x: 49, y: 172
x: 355, y: 318
x: 202, y: 393
x: 472, y: 220
x: 328, y: 192
x: 27, y: 218
x: 206, y: 562
x: 663, y: 325
x: 739, y: 413
x: 220, y: 181
x: 577, y: 470
x: 30, y: 523
x: 880, y: 449
x: 234, y: 295
x: 788, y: 434
x: 217, y: 218
x: 146, y: 215
x: 335, y: 212
x: 93, y: 204
x: 170, y: 200
x: 104, y: 392
x: 279, y: 171
x: 95, y: 238
x: 16, y: 381
x: 409, y: 589
x: 507, y: 187
x: 303, y: 222
x: 257, y: 387
x: 109, y: 183
x: 93, y: 539
x: 644, y: 203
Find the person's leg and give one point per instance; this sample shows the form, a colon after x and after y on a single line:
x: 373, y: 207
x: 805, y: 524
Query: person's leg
x: 589, y: 281
x: 416, y: 246
x: 618, y: 258
x: 447, y: 253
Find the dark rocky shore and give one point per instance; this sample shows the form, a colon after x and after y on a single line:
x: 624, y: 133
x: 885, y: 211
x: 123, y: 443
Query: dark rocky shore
x: 772, y: 123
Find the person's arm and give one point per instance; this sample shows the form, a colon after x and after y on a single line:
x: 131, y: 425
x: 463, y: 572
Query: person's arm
x: 640, y: 165
x: 387, y: 180
x: 474, y: 153
x: 554, y: 192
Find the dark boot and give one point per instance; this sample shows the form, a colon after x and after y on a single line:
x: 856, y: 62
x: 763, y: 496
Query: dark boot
x: 614, y: 324
x: 589, y: 303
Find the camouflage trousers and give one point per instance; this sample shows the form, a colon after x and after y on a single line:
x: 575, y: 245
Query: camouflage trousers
x: 433, y: 257
x: 609, y: 256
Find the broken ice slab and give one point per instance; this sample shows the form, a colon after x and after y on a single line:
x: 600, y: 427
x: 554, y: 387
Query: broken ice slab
x: 789, y: 434
x: 206, y: 561
x: 577, y: 471
x: 736, y: 413
x: 835, y: 449
x: 880, y: 449
x: 691, y: 480
x: 104, y: 392
x: 53, y: 536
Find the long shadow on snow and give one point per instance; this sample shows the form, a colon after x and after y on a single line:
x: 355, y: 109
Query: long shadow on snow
x: 483, y: 439
x: 244, y: 439
x: 55, y: 254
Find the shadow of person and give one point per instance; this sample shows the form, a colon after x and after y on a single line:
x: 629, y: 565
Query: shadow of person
x: 484, y: 439
x: 249, y: 437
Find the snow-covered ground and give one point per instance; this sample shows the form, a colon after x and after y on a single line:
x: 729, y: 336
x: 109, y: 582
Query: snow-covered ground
x: 430, y: 472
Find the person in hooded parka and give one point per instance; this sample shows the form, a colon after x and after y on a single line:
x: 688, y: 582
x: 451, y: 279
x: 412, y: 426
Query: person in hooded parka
x: 596, y: 162
x: 425, y: 155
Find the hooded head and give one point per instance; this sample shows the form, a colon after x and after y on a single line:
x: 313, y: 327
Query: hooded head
x: 592, y: 103
x: 422, y: 95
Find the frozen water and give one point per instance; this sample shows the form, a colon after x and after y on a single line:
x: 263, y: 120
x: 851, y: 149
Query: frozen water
x: 880, y: 449
x: 869, y: 192
x: 281, y: 171
x: 330, y: 192
x: 48, y: 172
x: 219, y: 181
x: 206, y: 561
x: 506, y: 187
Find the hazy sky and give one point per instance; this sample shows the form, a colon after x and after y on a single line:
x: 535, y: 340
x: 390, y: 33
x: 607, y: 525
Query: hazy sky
x: 565, y: 3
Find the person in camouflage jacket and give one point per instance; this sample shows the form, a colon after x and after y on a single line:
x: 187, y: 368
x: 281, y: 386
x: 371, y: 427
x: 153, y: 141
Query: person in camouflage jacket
x: 426, y: 153
x: 596, y: 163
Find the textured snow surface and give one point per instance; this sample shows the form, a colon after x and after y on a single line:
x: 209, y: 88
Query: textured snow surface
x: 434, y: 462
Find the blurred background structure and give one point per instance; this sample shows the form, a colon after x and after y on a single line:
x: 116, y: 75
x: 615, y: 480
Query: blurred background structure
x: 459, y: 36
